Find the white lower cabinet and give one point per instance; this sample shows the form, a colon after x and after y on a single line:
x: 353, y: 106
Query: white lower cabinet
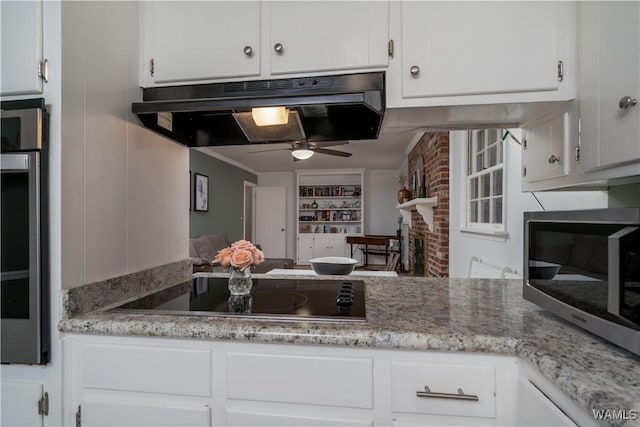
x: 20, y: 404
x: 316, y: 245
x: 122, y: 381
x: 130, y: 412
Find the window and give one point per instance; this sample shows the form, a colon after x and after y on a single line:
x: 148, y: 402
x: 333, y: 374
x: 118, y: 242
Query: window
x: 485, y: 180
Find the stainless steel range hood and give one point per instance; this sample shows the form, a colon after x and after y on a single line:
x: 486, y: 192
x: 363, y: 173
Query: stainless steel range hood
x: 322, y: 108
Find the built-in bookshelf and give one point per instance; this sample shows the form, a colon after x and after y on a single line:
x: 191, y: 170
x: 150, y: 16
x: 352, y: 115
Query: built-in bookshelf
x: 329, y: 206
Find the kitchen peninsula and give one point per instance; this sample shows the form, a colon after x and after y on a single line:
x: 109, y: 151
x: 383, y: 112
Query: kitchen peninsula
x: 482, y: 328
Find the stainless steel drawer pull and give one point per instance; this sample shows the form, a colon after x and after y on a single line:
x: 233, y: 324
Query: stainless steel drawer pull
x: 459, y: 396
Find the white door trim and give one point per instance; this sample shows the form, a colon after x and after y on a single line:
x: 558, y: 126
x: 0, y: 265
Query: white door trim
x: 253, y: 208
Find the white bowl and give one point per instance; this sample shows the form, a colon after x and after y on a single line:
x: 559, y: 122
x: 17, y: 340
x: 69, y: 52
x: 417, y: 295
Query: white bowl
x: 333, y: 265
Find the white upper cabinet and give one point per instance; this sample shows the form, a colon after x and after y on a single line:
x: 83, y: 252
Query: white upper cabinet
x: 311, y: 36
x: 457, y: 53
x: 208, y: 41
x: 609, y: 83
x: 545, y: 152
x: 21, y: 47
x: 200, y: 40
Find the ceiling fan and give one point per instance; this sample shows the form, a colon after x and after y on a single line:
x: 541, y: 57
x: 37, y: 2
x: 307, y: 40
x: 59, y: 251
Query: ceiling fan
x: 304, y: 150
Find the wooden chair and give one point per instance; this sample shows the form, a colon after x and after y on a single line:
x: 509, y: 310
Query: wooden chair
x: 392, y: 263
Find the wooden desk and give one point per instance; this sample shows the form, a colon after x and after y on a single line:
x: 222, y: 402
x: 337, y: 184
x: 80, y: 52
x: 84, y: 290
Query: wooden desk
x: 374, y: 240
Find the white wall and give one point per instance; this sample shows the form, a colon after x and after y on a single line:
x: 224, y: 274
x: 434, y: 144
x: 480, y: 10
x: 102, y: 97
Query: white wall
x: 501, y: 251
x: 124, y: 189
x: 381, y: 197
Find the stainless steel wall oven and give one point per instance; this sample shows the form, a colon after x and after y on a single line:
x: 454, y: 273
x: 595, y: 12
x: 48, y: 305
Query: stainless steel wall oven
x: 24, y: 248
x: 584, y: 266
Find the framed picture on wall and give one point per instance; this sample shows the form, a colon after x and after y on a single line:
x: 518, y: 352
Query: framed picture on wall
x: 201, y: 193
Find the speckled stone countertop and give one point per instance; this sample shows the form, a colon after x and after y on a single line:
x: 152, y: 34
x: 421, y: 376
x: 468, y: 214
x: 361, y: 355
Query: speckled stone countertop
x: 474, y: 315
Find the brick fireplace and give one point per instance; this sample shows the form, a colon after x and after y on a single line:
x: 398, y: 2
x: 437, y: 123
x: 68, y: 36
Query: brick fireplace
x: 433, y: 152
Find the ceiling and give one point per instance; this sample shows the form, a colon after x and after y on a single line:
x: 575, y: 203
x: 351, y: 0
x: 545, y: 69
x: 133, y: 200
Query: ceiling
x: 386, y: 152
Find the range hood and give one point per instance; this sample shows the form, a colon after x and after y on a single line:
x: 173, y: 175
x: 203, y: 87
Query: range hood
x: 322, y: 108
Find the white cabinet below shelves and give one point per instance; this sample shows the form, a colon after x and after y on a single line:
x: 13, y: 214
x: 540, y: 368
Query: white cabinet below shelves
x: 22, y: 47
x: 316, y: 245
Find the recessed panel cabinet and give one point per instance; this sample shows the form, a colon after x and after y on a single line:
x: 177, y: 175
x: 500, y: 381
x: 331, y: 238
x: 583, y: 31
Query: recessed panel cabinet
x: 609, y: 83
x: 310, y: 36
x: 474, y: 48
x: 188, y: 42
x: 22, y: 51
x: 198, y: 40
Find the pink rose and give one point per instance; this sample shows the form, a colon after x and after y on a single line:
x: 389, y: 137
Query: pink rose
x: 258, y: 256
x: 243, y: 244
x: 241, y: 258
x: 224, y: 256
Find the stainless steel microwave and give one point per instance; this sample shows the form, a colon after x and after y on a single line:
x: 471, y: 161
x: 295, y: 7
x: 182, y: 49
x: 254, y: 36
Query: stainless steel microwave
x: 584, y: 266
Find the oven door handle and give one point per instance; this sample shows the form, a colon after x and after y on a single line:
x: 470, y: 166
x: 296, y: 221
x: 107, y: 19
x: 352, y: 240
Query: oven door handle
x: 17, y: 162
x: 14, y: 275
x: 615, y: 281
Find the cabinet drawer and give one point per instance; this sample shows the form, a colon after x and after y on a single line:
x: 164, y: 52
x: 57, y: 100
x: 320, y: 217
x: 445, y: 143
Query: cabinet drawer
x: 407, y: 378
x: 346, y: 382
x: 147, y: 369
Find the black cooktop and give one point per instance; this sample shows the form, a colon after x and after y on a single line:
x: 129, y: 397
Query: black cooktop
x: 274, y: 299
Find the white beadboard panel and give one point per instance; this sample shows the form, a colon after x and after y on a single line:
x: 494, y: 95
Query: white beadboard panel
x: 106, y: 109
x: 158, y: 200
x: 72, y: 146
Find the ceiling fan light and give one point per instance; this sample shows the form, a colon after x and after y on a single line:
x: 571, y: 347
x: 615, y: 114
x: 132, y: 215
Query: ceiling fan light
x: 269, y: 116
x: 302, y: 154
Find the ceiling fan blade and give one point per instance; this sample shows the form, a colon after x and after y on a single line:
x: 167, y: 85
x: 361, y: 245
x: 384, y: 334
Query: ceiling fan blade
x: 322, y: 144
x: 332, y: 152
x: 266, y: 151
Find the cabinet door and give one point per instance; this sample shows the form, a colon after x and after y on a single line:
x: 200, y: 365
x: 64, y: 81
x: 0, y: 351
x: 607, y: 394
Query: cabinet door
x: 544, y: 156
x: 609, y: 39
x: 535, y: 409
x: 20, y: 404
x: 203, y: 40
x: 329, y: 244
x: 465, y: 48
x: 129, y: 412
x: 21, y: 47
x: 323, y: 36
x: 305, y: 248
x: 249, y: 418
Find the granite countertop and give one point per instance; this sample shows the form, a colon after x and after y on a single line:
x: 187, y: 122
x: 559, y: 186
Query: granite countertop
x: 436, y: 314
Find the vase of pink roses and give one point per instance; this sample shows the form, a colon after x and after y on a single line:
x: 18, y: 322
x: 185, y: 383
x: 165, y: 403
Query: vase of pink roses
x: 239, y: 258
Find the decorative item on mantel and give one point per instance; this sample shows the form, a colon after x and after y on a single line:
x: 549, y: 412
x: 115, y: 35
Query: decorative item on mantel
x: 404, y: 195
x: 239, y: 258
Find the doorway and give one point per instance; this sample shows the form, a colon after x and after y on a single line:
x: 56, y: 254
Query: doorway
x: 248, y: 214
x: 271, y: 214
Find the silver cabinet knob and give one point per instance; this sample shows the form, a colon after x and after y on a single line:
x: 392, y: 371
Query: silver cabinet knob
x: 248, y: 51
x: 415, y: 70
x: 553, y: 159
x: 627, y: 102
x: 278, y: 48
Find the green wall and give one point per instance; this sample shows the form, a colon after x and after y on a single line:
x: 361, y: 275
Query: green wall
x: 621, y: 196
x: 226, y: 196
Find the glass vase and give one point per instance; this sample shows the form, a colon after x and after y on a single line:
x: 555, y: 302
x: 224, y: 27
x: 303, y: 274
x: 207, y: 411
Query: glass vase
x: 240, y: 281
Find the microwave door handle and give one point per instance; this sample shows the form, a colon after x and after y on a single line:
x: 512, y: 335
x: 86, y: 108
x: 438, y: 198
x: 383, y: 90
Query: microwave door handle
x: 613, y: 300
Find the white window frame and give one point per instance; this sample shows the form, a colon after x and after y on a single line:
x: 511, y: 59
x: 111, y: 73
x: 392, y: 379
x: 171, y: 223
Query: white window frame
x: 490, y: 228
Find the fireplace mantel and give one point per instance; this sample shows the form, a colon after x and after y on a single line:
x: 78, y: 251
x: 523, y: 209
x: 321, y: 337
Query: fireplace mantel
x: 424, y: 206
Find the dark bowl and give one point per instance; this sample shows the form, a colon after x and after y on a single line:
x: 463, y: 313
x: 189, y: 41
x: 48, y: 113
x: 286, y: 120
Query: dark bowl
x: 333, y: 265
x: 543, y: 270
